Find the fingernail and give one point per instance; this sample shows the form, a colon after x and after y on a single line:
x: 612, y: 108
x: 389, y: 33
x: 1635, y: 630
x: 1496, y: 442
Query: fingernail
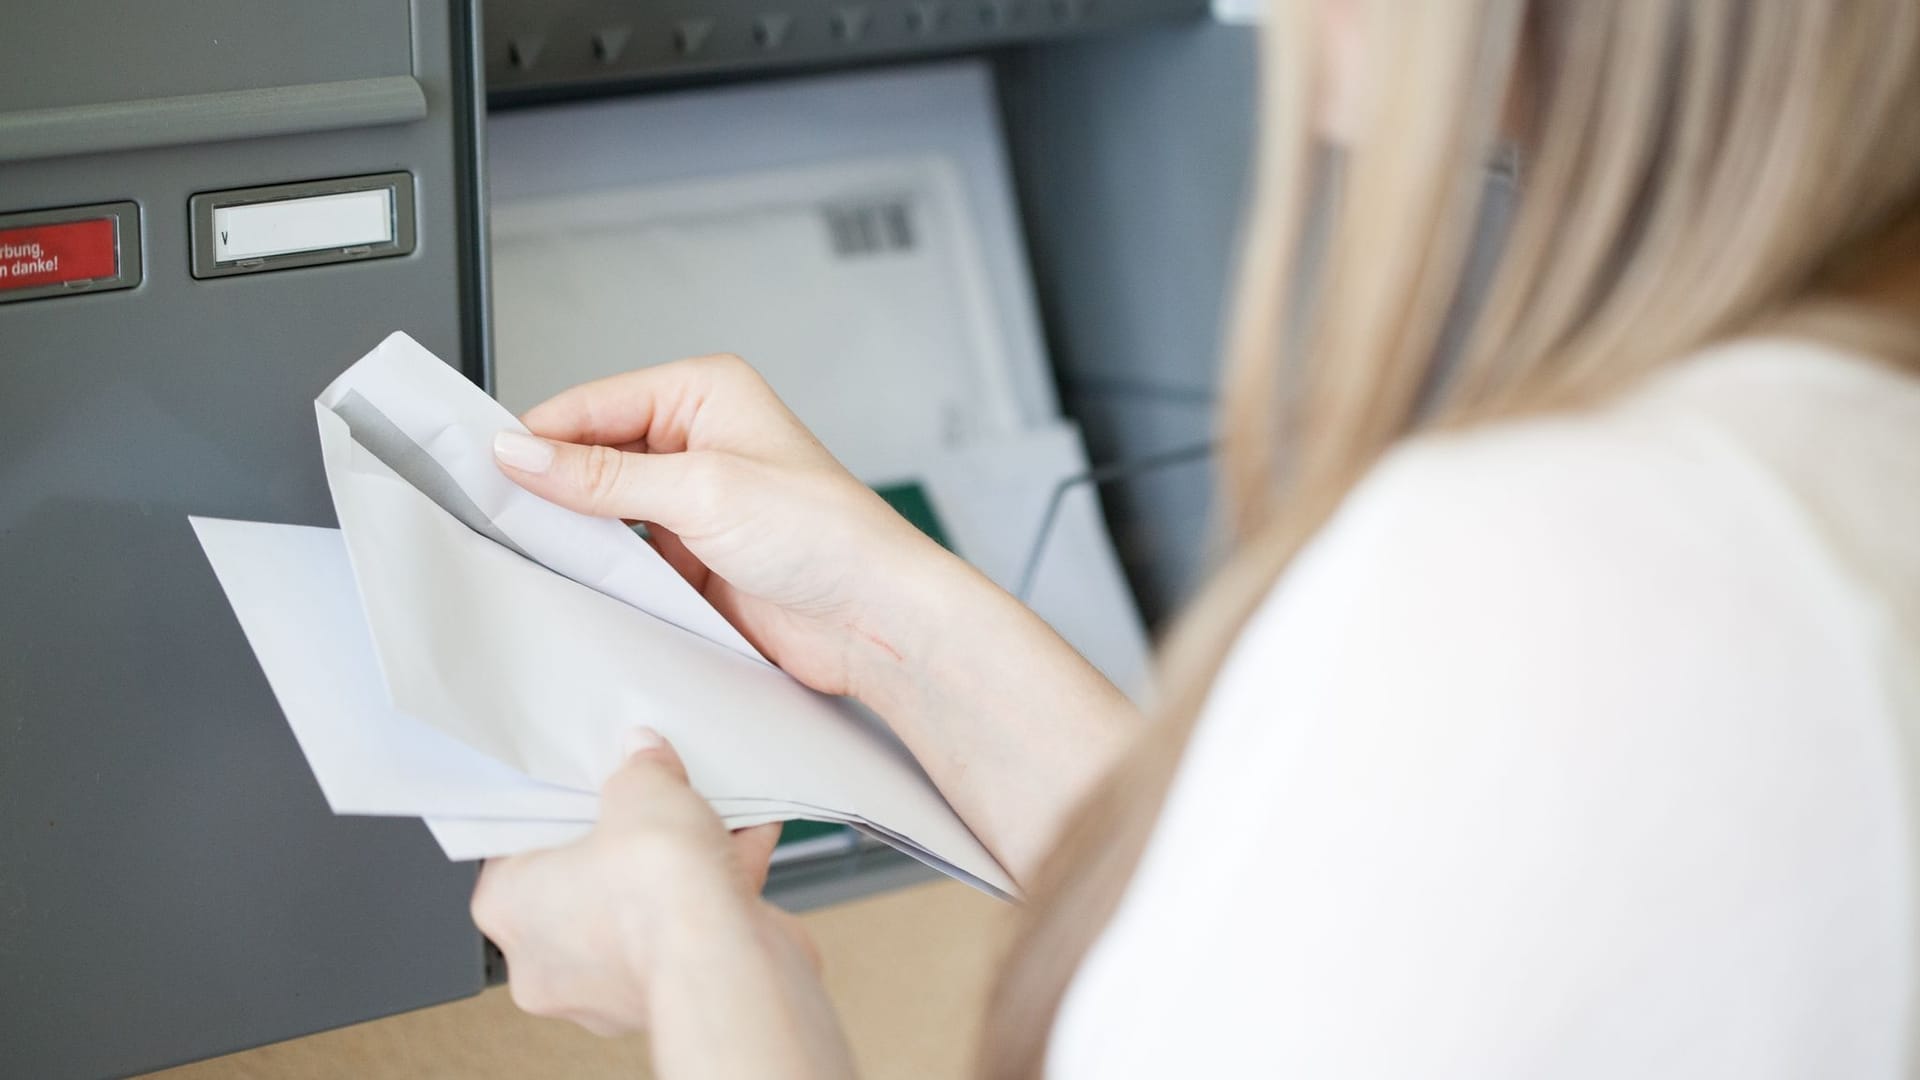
x: 517, y: 450
x: 639, y: 740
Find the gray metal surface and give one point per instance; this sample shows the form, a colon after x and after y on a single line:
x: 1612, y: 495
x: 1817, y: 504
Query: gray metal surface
x: 171, y: 883
x: 539, y: 47
x: 85, y: 52
x: 139, y: 123
x: 1130, y: 154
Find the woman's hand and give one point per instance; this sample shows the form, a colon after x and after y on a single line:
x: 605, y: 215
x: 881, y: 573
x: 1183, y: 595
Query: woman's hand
x: 743, y: 501
x: 841, y: 592
x: 654, y: 921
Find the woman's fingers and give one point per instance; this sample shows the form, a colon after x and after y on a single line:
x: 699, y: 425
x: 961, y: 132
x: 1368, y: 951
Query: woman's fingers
x: 651, y: 761
x: 583, y: 926
x: 683, y: 561
x: 648, y: 788
x: 676, y: 490
x: 493, y: 903
x: 653, y: 406
x: 753, y: 850
x: 632, y: 407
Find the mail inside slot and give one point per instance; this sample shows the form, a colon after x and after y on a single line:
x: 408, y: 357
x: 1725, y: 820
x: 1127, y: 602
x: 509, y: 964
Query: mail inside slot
x: 315, y: 223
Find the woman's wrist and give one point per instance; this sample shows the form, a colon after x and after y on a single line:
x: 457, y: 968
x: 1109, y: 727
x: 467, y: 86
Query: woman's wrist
x: 1011, y: 723
x: 734, y: 993
x: 922, y: 592
x: 693, y: 931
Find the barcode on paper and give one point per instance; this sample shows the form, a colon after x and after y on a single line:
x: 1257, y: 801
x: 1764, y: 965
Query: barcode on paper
x: 871, y: 228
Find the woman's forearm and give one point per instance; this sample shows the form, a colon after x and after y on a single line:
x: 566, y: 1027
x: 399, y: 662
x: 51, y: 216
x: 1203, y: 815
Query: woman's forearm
x: 740, y: 999
x: 1010, y: 721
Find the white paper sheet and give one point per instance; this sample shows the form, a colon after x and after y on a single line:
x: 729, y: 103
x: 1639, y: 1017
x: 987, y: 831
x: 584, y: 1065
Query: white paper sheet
x: 946, y: 111
x: 294, y: 593
x: 464, y: 839
x: 857, y: 290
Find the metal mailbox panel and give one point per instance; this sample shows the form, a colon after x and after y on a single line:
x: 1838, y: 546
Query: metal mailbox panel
x: 172, y: 884
x: 57, y: 53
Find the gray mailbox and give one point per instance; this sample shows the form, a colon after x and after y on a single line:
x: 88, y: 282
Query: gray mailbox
x: 171, y: 883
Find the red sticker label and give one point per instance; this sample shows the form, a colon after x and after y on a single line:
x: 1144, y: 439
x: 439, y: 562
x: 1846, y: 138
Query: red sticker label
x: 37, y: 255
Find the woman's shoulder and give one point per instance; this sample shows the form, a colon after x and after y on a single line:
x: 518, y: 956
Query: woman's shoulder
x: 1735, y: 535
x: 1782, y: 405
x: 1740, y: 527
x: 1754, y: 453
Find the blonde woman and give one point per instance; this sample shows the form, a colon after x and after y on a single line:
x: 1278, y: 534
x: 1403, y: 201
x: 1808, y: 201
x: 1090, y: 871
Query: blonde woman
x: 1556, y: 716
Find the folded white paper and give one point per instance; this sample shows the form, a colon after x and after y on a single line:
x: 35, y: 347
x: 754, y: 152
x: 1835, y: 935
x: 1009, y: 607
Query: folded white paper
x: 432, y: 661
x: 415, y: 417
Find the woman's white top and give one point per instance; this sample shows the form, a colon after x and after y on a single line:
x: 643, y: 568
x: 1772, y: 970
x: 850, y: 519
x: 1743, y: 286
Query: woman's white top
x: 1575, y: 747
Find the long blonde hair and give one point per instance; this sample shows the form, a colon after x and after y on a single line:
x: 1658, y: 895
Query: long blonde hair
x: 1691, y: 170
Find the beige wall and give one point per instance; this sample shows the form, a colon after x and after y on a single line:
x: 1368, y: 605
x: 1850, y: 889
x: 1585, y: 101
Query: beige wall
x: 908, y: 971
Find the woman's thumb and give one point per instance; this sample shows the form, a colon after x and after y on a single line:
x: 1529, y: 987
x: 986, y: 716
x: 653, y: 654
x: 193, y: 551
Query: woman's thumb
x: 596, y: 480
x: 650, y: 761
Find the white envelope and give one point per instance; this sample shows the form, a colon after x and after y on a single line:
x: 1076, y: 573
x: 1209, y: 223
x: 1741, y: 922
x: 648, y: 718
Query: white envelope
x: 436, y: 430
x: 293, y: 591
x: 295, y: 596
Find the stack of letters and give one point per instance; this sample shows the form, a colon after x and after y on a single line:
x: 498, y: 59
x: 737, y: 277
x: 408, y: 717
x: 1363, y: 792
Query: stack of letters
x: 462, y: 651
